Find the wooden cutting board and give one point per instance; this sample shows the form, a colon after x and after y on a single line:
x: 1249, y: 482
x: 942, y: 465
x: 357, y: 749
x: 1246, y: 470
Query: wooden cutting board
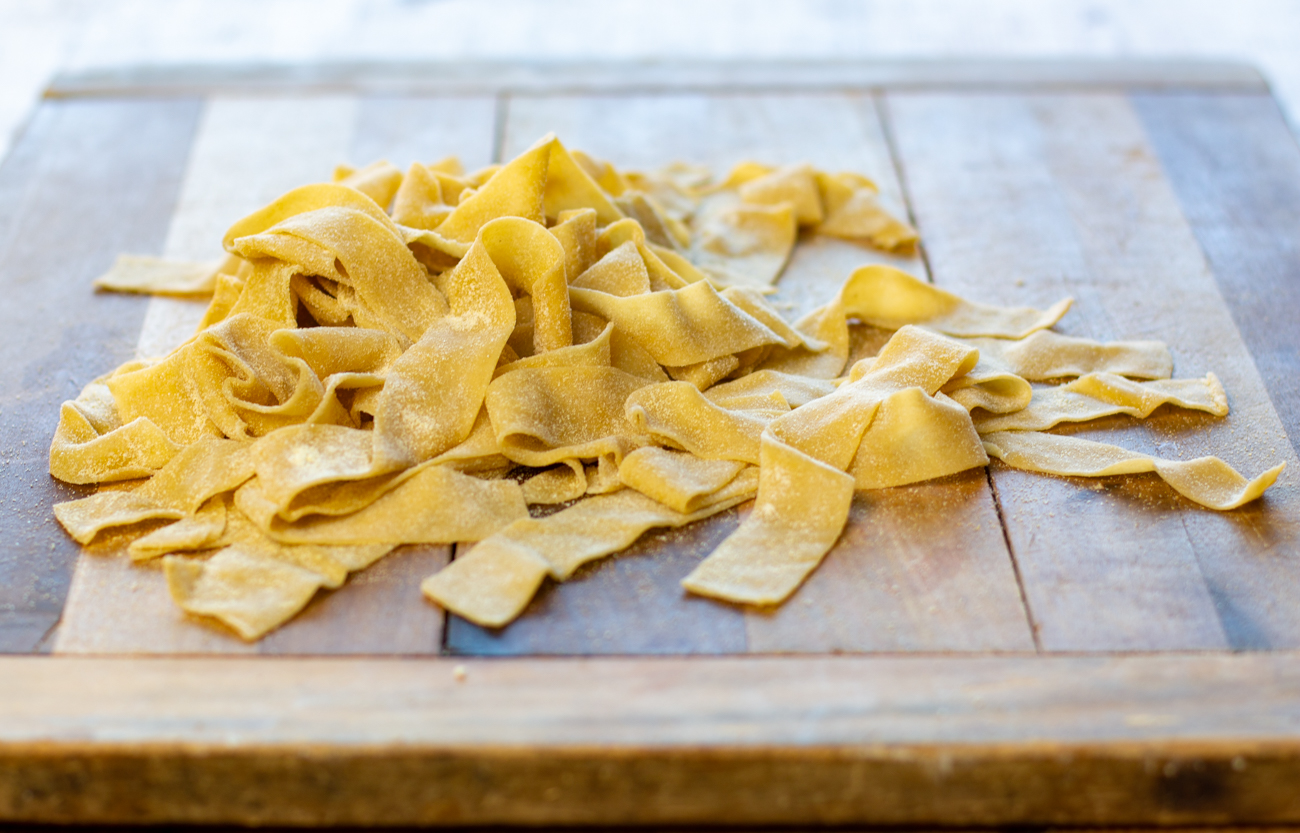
x: 992, y: 648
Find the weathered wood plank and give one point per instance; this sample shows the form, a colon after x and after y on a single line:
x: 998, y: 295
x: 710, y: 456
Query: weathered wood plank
x: 85, y: 181
x: 1235, y: 167
x: 631, y: 76
x: 273, y: 145
x: 998, y: 229
x: 974, y: 741
x: 1023, y: 199
x: 845, y: 606
x: 1250, y: 557
x: 246, y: 153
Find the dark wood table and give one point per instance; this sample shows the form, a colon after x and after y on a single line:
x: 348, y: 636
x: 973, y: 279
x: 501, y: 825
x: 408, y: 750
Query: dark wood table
x: 993, y: 648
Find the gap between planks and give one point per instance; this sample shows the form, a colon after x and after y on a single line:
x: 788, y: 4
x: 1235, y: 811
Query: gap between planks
x: 900, y: 173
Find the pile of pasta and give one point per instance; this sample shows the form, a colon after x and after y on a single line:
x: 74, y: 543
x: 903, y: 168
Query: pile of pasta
x: 402, y: 358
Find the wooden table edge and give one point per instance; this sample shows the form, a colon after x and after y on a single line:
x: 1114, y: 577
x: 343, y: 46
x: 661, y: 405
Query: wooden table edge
x: 475, y: 77
x: 1007, y: 739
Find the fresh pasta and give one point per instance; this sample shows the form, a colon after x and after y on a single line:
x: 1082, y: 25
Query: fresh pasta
x: 420, y: 357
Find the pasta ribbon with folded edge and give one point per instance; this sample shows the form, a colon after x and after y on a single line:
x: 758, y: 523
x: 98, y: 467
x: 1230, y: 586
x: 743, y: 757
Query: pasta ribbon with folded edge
x: 804, y: 490
x: 1207, y: 480
x: 1099, y: 395
x: 387, y: 355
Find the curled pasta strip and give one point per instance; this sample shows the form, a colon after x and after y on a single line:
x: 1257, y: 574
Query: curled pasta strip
x: 1207, y: 480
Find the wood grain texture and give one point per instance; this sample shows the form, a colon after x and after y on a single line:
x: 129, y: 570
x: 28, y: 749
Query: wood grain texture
x: 904, y: 576
x: 87, y: 180
x: 1235, y: 167
x: 1070, y: 200
x: 1175, y: 739
x: 631, y: 76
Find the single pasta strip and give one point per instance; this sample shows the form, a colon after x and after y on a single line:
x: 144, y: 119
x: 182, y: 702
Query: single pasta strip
x: 298, y: 459
x: 804, y: 491
x: 545, y: 415
x: 195, y: 532
x: 913, y: 438
x: 378, y: 180
x: 676, y: 479
x: 802, y: 506
x: 890, y: 298
x: 162, y: 276
x: 304, y: 200
x: 494, y: 581
x: 1104, y: 394
x: 1206, y: 480
x: 436, y: 505
x: 556, y: 485
x: 433, y: 392
x: 987, y: 386
x: 85, y: 450
x: 419, y: 202
x: 769, y: 388
x: 516, y: 190
x: 1048, y: 355
x: 84, y: 519
x: 679, y: 327
x: 679, y: 415
x: 792, y: 184
x: 251, y: 593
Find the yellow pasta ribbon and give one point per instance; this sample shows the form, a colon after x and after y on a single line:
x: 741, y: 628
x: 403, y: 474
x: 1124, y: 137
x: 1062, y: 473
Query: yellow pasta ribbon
x: 1206, y: 480
x: 493, y: 583
x: 1104, y: 394
x: 804, y: 493
x: 162, y: 276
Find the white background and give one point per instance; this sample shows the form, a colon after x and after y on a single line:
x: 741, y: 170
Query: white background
x: 40, y: 37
